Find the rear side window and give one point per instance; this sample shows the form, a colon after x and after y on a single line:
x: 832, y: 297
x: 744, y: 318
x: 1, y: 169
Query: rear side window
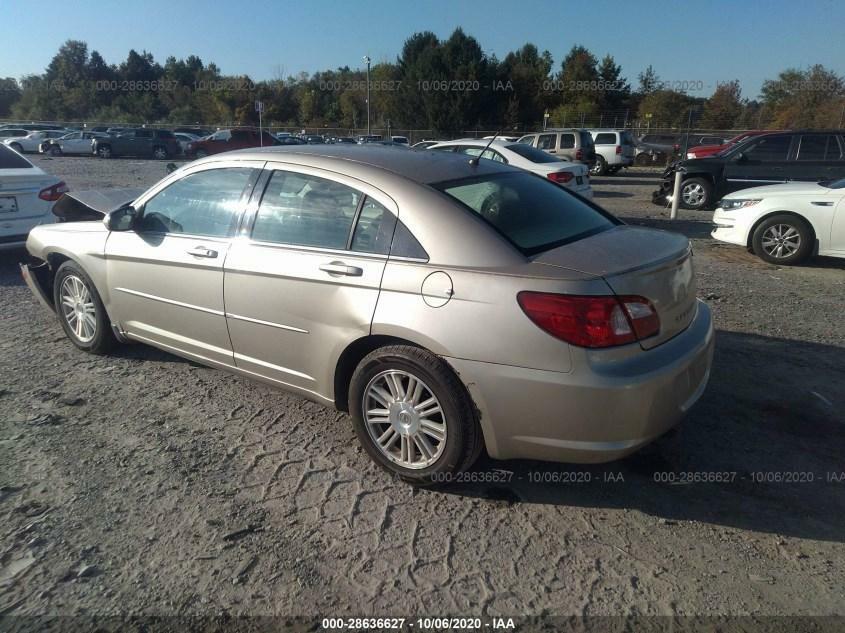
x: 202, y: 203
x: 532, y: 153
x: 770, y: 148
x: 304, y: 210
x: 530, y: 212
x: 374, y: 228
x: 818, y: 147
x: 164, y: 134
x: 10, y: 159
x: 606, y: 138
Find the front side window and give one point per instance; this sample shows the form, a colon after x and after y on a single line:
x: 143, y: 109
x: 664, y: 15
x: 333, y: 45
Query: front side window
x: 304, y: 210
x: 770, y: 148
x: 527, y: 140
x: 531, y: 212
x: 203, y: 203
x: 547, y: 141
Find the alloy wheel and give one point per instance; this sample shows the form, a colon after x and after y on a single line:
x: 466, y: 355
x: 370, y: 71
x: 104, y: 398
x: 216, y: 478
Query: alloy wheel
x: 781, y: 240
x: 693, y: 194
x: 78, y: 308
x: 404, y: 419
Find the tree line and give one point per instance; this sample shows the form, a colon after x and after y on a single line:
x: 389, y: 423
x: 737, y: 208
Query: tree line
x: 446, y: 86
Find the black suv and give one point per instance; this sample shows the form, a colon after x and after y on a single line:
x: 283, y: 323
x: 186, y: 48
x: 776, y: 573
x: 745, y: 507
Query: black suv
x: 142, y: 142
x: 802, y: 155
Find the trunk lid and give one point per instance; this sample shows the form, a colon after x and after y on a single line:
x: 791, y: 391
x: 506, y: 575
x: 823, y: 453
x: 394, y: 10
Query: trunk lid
x: 19, y: 188
x: 632, y: 260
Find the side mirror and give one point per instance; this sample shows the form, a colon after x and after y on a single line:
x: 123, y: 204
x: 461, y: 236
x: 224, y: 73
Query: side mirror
x: 740, y: 158
x: 171, y: 167
x: 122, y: 219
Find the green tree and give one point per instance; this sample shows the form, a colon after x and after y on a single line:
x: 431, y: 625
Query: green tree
x: 649, y: 81
x: 804, y: 98
x: 724, y: 107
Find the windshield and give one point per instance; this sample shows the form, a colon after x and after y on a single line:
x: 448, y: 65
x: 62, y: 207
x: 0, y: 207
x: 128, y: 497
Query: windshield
x: 529, y: 211
x: 532, y: 153
x: 834, y: 184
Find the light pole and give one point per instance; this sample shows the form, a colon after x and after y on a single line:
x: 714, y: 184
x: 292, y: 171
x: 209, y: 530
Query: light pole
x: 367, y: 62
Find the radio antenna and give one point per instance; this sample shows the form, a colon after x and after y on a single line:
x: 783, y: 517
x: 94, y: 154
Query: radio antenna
x: 474, y: 160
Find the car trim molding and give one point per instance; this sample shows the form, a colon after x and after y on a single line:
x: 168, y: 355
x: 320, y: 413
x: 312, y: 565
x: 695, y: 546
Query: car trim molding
x: 284, y: 370
x: 290, y: 328
x: 181, y: 304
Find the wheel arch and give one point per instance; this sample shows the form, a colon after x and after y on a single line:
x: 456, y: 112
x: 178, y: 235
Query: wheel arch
x: 763, y: 218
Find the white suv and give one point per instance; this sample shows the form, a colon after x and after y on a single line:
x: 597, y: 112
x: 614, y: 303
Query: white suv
x: 615, y: 149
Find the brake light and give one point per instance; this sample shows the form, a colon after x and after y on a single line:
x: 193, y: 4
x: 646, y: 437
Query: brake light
x: 579, y: 154
x: 560, y: 177
x: 618, y: 149
x: 591, y: 321
x: 51, y: 194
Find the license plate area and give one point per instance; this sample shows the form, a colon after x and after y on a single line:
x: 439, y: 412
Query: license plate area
x: 8, y: 204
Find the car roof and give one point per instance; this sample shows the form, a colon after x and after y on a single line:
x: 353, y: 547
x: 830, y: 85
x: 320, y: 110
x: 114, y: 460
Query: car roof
x: 421, y: 166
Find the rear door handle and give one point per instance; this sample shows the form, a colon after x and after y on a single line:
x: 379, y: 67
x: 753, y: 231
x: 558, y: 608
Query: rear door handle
x: 202, y: 251
x: 339, y: 268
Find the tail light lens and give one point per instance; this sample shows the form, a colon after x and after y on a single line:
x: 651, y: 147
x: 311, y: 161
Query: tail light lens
x: 618, y: 149
x: 579, y: 154
x: 591, y: 321
x: 560, y: 177
x: 51, y: 194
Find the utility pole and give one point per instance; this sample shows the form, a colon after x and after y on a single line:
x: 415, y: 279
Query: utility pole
x: 367, y: 62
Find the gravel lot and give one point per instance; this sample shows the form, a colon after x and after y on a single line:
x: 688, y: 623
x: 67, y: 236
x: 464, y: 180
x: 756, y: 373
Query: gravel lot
x: 141, y: 483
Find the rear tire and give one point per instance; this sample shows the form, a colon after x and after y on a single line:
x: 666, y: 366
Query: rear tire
x: 55, y: 150
x: 159, y: 153
x: 696, y: 193
x: 783, y: 239
x: 600, y: 168
x: 80, y: 310
x: 413, y: 415
x: 104, y: 151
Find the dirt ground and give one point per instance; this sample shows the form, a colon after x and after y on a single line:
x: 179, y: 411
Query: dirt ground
x: 140, y: 483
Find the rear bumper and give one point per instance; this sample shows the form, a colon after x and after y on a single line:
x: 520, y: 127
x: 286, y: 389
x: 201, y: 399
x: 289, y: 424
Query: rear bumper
x: 597, y: 412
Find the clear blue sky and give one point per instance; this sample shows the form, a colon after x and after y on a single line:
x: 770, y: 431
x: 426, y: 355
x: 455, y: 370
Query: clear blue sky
x: 703, y: 41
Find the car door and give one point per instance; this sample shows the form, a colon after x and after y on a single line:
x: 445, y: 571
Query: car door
x: 71, y: 144
x: 303, y: 282
x: 837, y: 229
x: 764, y: 162
x: 547, y: 143
x: 165, y: 276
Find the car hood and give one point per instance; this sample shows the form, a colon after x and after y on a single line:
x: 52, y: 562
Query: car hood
x: 92, y: 204
x: 786, y: 189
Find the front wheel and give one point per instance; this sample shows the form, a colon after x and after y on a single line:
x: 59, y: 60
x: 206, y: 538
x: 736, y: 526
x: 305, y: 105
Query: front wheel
x: 80, y: 310
x: 159, y: 153
x: 696, y: 193
x: 600, y: 167
x: 783, y: 239
x: 104, y: 151
x: 55, y: 150
x: 412, y: 415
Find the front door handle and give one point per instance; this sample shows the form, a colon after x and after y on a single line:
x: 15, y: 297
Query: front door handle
x: 339, y: 268
x: 202, y: 251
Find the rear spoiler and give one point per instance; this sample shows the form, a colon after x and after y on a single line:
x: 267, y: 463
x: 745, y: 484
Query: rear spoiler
x: 76, y: 206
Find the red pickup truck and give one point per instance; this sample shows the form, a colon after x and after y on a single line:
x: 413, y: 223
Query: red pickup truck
x: 225, y: 140
x: 711, y: 150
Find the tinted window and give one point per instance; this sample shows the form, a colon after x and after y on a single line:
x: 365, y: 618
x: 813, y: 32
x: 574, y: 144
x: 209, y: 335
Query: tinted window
x: 710, y: 140
x: 164, y: 134
x: 770, y: 148
x: 567, y: 141
x: 546, y: 141
x: 818, y: 147
x: 605, y: 138
x: 374, y: 229
x: 532, y: 153
x: 489, y: 154
x: 10, y: 159
x: 203, y: 203
x: 529, y: 211
x: 405, y: 244
x: 306, y: 211
x: 143, y: 133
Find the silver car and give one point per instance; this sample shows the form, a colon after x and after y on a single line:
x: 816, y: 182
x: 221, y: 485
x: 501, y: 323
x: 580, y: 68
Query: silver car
x: 449, y: 305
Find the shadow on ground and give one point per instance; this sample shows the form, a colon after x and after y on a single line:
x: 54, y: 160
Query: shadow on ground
x: 771, y: 421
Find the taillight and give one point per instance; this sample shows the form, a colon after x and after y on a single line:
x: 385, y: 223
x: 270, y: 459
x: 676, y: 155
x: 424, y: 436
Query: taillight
x: 51, y: 194
x: 618, y: 149
x: 591, y: 321
x: 560, y: 177
x: 579, y: 154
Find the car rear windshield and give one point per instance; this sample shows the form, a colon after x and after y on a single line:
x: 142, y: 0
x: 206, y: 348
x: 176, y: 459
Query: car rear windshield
x: 532, y: 153
x: 532, y: 213
x: 9, y: 159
